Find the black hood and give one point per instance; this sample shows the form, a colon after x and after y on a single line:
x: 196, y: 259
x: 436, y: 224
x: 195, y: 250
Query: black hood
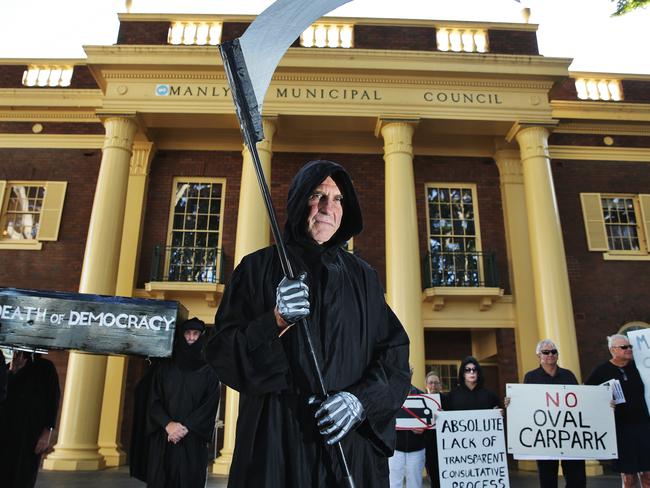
x: 306, y: 180
x: 189, y: 356
x: 480, y: 379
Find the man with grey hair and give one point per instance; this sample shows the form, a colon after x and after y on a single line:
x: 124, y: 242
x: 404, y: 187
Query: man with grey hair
x: 632, y: 419
x: 549, y: 373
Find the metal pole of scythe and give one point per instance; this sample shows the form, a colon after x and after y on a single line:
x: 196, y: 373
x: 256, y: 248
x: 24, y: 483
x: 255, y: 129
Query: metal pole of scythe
x: 233, y: 61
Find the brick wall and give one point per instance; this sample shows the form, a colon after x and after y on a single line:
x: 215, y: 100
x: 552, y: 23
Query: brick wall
x: 513, y: 42
x: 57, y: 266
x: 139, y: 32
x: 605, y: 294
x: 597, y: 140
x: 53, y: 128
x: 482, y: 172
x: 395, y: 37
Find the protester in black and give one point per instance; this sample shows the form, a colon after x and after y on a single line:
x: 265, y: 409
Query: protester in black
x: 632, y: 419
x: 27, y: 417
x: 549, y: 373
x: 182, y: 412
x: 361, y: 347
x: 470, y: 394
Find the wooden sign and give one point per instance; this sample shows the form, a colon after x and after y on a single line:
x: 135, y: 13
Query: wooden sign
x: 91, y: 323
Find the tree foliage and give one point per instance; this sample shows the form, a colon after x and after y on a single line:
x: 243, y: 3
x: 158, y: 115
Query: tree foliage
x: 625, y: 6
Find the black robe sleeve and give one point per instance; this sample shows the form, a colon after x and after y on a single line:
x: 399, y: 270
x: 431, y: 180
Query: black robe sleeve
x: 158, y: 415
x: 202, y: 419
x: 385, y: 383
x: 245, y: 349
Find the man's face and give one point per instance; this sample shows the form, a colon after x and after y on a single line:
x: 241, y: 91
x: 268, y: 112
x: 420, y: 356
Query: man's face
x: 433, y: 384
x: 325, y: 211
x: 621, y: 354
x: 547, y: 356
x: 191, y: 336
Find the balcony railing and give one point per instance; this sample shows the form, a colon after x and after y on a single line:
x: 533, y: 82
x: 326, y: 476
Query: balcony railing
x: 187, y: 264
x: 460, y: 269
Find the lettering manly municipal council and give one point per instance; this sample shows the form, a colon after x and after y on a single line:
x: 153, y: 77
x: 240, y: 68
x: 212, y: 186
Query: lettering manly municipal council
x: 84, y: 318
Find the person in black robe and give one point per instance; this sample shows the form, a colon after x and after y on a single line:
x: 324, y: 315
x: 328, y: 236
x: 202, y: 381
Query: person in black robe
x: 182, y: 412
x: 27, y: 417
x: 360, y: 345
x: 470, y: 394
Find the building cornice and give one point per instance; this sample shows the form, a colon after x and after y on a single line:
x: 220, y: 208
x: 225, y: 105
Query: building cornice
x: 596, y: 153
x: 614, y: 111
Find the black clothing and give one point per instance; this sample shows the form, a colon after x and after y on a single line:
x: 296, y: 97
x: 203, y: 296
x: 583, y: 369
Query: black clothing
x: 462, y: 398
x: 407, y: 440
x: 4, y: 377
x: 431, y: 457
x: 540, y: 377
x: 634, y: 410
x: 573, y: 470
x: 139, y: 449
x: 183, y: 390
x: 30, y: 407
x: 360, y: 345
x: 632, y: 419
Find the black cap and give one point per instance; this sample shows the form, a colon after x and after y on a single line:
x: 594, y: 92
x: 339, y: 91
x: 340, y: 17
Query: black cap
x: 193, y: 324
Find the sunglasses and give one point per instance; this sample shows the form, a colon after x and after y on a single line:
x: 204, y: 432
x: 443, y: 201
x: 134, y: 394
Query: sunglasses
x: 625, y: 347
x: 470, y: 370
x: 546, y: 352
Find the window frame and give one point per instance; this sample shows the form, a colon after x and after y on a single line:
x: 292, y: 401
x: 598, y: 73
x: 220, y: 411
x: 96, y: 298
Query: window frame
x: 596, y: 228
x: 473, y: 187
x: 170, y: 223
x: 435, y: 364
x: 50, y: 213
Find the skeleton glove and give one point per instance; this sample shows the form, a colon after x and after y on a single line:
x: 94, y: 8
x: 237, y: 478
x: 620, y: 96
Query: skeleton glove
x: 338, y: 415
x: 292, y: 299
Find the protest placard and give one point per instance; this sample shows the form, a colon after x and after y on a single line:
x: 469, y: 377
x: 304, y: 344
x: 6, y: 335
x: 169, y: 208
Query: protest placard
x: 418, y: 412
x: 92, y: 323
x: 472, y: 449
x: 561, y: 422
x: 640, y: 339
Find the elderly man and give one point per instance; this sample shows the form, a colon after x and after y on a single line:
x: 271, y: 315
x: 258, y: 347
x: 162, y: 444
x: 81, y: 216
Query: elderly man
x: 361, y: 347
x: 549, y: 373
x: 433, y: 385
x: 632, y: 419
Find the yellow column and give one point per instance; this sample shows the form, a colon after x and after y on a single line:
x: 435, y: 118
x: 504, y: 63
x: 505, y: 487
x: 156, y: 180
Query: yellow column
x: 551, y: 278
x: 77, y: 447
x: 403, y: 274
x: 111, y: 417
x: 519, y: 258
x: 253, y: 233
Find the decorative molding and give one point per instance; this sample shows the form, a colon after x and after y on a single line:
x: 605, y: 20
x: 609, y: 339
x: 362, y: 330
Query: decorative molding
x: 51, y: 141
x: 597, y: 153
x: 602, y: 129
x: 141, y: 158
x: 48, y: 116
x: 610, y: 111
x: 120, y: 132
x: 485, y: 296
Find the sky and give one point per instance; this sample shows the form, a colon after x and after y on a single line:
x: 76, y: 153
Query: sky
x: 579, y: 29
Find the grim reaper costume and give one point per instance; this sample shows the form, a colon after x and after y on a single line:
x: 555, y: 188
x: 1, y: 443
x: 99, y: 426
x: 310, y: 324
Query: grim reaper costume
x: 30, y: 407
x: 360, y: 345
x: 186, y: 390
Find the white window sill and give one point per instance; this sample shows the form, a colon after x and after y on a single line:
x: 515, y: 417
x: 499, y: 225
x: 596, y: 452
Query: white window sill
x: 610, y: 256
x: 19, y: 245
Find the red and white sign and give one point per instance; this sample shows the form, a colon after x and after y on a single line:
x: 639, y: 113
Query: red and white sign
x: 418, y: 412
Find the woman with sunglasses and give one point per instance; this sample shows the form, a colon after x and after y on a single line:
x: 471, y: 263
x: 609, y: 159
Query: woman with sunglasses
x: 470, y: 393
x: 632, y: 419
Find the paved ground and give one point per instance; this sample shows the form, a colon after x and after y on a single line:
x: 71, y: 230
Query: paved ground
x: 119, y: 478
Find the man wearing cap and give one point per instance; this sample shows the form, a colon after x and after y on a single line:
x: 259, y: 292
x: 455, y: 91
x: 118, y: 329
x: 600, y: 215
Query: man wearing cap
x: 284, y: 440
x: 549, y: 373
x: 183, y: 405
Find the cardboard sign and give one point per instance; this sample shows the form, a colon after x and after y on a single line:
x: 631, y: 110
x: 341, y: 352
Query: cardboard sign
x: 561, y: 422
x: 92, y: 323
x: 472, y: 449
x: 640, y: 339
x: 418, y: 412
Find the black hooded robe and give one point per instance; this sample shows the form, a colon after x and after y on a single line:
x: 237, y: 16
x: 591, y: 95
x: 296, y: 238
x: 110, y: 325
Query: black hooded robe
x: 360, y: 345
x: 185, y: 391
x: 31, y: 405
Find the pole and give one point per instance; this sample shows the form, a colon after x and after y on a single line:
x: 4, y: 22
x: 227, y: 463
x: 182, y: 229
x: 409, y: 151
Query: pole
x: 233, y: 63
